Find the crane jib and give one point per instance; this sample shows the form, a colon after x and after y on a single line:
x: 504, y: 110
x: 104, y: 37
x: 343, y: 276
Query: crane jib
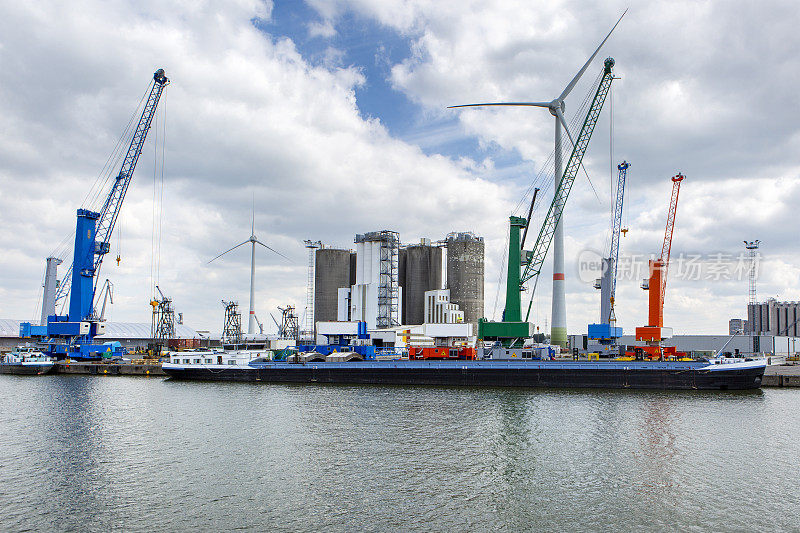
x: 537, y: 256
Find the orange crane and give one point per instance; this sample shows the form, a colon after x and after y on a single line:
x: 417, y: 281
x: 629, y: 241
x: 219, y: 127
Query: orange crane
x: 655, y: 332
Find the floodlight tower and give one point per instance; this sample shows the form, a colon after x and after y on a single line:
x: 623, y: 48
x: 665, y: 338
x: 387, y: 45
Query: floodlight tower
x: 558, y: 331
x: 308, y: 326
x: 751, y: 247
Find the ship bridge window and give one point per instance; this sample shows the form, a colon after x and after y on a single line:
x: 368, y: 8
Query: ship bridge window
x: 208, y: 361
x: 197, y: 361
x: 231, y: 361
x: 186, y: 361
x: 526, y: 355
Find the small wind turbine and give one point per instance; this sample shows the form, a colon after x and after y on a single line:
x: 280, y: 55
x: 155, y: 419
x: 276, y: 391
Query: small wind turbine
x: 556, y: 108
x: 253, y: 240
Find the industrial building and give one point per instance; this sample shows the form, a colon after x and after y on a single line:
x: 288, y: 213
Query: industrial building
x: 439, y: 309
x: 385, y: 284
x: 420, y: 272
x: 335, y: 268
x: 738, y: 326
x: 773, y: 318
x: 376, y: 296
x: 465, y: 273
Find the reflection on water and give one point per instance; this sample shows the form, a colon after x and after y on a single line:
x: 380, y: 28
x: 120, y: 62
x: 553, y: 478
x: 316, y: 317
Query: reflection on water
x: 94, y: 453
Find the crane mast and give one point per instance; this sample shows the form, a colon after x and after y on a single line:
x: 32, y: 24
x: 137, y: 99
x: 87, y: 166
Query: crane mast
x: 656, y: 284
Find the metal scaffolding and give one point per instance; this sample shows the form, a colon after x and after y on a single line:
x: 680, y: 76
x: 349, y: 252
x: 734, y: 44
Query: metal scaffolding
x: 163, y: 326
x: 232, y: 330
x: 389, y: 282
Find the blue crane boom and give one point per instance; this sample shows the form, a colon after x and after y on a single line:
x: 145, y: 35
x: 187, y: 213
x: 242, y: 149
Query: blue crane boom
x: 111, y: 207
x: 615, y: 231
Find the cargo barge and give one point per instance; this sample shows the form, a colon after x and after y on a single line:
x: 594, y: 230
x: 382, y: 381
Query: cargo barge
x: 665, y: 375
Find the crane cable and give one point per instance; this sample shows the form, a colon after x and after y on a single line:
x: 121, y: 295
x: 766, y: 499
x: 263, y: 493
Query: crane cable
x: 158, y: 197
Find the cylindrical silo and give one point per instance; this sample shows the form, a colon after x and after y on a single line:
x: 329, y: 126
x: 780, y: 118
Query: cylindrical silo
x: 332, y: 272
x: 421, y: 270
x: 465, y: 274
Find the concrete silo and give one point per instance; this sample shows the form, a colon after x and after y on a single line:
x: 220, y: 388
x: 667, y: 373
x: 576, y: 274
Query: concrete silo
x: 420, y: 271
x: 332, y: 272
x: 465, y: 274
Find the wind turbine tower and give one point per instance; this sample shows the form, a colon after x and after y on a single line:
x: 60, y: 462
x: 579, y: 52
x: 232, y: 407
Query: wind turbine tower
x: 558, y: 332
x: 253, y: 240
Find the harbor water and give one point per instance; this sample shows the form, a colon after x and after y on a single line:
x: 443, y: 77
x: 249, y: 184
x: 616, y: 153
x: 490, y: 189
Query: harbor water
x: 148, y: 454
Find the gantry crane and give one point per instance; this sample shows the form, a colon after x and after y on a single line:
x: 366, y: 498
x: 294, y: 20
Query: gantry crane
x: 530, y: 262
x: 655, y: 332
x: 606, y: 331
x: 72, y: 335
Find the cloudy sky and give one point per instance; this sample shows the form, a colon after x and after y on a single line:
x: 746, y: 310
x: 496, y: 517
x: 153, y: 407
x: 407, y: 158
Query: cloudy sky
x: 330, y: 115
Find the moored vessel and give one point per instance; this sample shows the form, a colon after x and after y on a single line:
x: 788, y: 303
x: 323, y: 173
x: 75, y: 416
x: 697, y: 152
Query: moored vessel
x: 713, y: 374
x: 26, y: 361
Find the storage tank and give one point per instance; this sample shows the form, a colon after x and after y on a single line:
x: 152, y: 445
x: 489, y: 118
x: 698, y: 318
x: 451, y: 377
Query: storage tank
x: 420, y: 271
x: 332, y: 272
x: 465, y: 274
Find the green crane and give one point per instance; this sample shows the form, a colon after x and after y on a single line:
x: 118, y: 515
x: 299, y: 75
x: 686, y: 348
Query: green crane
x: 524, y: 265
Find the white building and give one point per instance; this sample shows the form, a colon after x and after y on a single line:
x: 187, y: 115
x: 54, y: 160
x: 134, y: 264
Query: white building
x: 439, y: 310
x: 376, y: 296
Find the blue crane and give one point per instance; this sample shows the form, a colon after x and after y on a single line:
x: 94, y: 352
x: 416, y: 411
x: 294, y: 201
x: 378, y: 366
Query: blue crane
x: 606, y: 331
x: 72, y: 334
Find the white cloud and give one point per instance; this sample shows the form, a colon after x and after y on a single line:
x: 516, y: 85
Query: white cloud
x: 246, y: 114
x: 703, y: 91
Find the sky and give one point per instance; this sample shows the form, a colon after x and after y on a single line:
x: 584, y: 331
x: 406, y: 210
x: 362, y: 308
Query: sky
x: 329, y: 116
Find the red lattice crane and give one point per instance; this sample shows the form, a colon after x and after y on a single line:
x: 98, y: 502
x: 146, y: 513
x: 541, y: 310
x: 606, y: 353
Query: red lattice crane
x: 654, y: 332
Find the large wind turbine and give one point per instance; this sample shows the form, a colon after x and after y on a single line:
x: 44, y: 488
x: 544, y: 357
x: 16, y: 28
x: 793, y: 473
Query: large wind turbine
x: 558, y: 331
x: 253, y: 240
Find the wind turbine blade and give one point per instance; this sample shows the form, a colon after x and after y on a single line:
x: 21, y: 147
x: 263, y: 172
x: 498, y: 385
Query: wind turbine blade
x: 571, y: 85
x: 560, y: 115
x: 527, y: 104
x: 273, y: 250
x: 230, y: 250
